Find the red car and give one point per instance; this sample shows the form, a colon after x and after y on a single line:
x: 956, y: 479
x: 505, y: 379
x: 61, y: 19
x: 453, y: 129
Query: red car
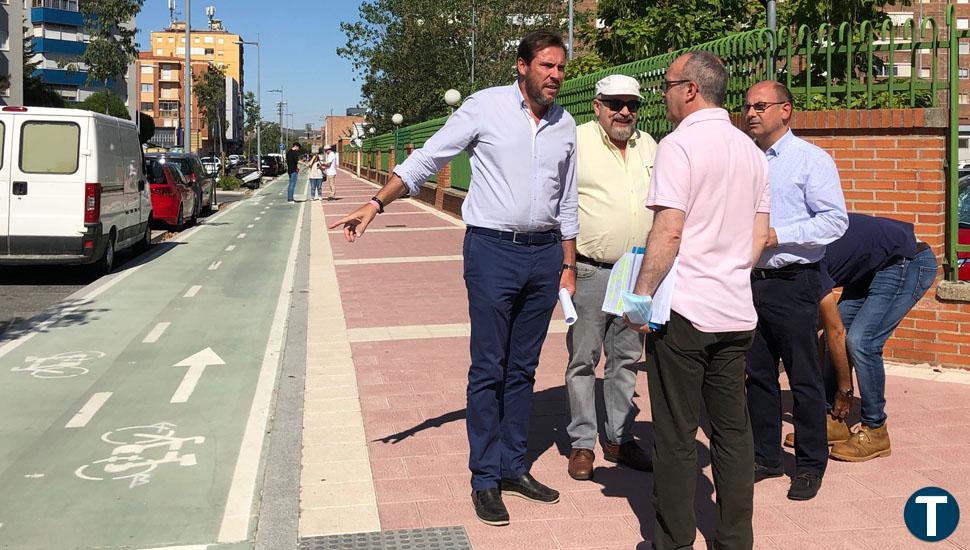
x: 963, y: 207
x: 173, y: 199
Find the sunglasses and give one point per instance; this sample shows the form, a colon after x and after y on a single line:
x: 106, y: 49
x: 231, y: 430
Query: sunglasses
x: 617, y: 105
x: 668, y: 84
x: 760, y: 106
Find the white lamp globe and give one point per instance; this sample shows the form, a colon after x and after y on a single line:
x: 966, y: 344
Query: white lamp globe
x: 372, y: 130
x: 397, y: 119
x: 452, y: 97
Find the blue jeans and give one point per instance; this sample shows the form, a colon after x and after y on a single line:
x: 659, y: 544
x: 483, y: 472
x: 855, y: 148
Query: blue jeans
x: 870, y: 313
x: 316, y: 184
x: 512, y: 291
x: 292, y: 186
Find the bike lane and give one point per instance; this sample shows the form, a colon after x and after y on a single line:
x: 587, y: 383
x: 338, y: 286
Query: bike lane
x: 135, y: 438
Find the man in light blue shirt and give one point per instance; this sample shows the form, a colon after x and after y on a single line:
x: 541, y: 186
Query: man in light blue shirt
x: 520, y: 248
x: 807, y: 213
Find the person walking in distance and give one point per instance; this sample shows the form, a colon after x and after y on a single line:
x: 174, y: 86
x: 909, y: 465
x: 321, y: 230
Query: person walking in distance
x: 613, y: 175
x: 316, y: 177
x: 519, y: 249
x: 330, y: 161
x: 293, y: 169
x: 711, y: 200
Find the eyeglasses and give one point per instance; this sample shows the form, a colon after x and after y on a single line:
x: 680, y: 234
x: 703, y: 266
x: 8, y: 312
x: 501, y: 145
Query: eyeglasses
x: 760, y: 106
x: 617, y: 105
x: 668, y: 84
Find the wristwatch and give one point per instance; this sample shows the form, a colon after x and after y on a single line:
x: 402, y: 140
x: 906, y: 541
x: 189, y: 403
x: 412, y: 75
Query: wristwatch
x: 847, y: 393
x: 568, y: 266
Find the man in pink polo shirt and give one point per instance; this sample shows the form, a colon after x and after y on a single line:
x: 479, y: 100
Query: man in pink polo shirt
x: 710, y: 199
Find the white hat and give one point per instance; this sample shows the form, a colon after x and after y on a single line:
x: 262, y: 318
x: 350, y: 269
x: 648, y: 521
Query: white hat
x: 618, y: 84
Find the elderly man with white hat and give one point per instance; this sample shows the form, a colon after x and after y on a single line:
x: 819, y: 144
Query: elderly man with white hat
x: 614, y: 164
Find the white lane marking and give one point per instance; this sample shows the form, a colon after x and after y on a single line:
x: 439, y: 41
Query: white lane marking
x: 214, y: 266
x: 193, y: 291
x: 257, y: 218
x: 32, y: 476
x: 183, y: 547
x: 230, y: 248
x: 88, y: 411
x: 156, y: 333
x: 196, y: 363
x: 241, y: 236
x: 235, y: 521
x: 250, y: 226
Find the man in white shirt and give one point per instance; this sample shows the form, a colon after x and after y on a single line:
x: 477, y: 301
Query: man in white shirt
x: 330, y: 161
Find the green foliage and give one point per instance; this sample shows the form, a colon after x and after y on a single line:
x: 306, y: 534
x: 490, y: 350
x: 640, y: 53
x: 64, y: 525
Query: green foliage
x: 229, y: 183
x: 271, y: 137
x: 105, y: 103
x: 407, y: 53
x: 112, y: 47
x: 146, y: 128
x: 209, y: 89
x: 834, y: 12
x: 250, y: 112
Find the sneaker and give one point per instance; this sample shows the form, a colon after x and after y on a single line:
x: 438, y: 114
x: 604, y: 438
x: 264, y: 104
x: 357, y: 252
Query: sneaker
x: 865, y: 443
x: 628, y: 454
x: 837, y: 429
x: 804, y: 486
x: 528, y: 488
x: 489, y: 507
x: 762, y: 472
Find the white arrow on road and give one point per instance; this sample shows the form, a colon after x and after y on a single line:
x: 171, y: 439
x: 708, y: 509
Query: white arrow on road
x: 196, y: 364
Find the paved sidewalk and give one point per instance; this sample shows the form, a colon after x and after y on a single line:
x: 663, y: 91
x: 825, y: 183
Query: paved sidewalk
x: 384, y: 439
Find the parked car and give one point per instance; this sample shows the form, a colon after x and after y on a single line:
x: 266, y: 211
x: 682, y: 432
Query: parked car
x: 198, y: 177
x: 234, y: 160
x: 271, y: 166
x: 72, y: 188
x: 963, y: 207
x: 212, y: 164
x: 173, y: 198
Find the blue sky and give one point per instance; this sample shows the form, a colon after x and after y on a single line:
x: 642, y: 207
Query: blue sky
x: 299, y: 39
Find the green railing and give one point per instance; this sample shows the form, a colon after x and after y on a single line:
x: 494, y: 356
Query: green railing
x: 832, y: 67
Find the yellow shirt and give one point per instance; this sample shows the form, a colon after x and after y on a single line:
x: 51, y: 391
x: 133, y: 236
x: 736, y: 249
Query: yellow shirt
x: 613, y: 217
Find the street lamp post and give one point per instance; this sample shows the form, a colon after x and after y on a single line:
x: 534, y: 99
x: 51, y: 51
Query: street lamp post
x: 187, y: 138
x: 280, y: 91
x: 259, y: 99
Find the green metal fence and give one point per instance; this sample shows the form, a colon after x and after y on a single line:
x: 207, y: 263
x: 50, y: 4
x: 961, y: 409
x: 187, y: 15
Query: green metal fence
x: 832, y: 67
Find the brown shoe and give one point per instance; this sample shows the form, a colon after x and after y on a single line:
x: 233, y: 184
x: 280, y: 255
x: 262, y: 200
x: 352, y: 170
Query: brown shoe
x: 865, y: 443
x: 581, y: 464
x: 838, y: 431
x: 628, y: 454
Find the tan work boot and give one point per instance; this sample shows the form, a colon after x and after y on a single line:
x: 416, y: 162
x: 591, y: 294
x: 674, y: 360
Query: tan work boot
x: 865, y: 443
x: 838, y: 431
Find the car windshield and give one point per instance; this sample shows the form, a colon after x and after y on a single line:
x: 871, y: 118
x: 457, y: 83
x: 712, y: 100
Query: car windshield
x: 963, y: 203
x: 184, y: 164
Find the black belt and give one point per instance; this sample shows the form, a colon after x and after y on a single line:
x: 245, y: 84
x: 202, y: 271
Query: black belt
x: 592, y: 262
x: 920, y: 247
x: 519, y: 237
x: 785, y: 272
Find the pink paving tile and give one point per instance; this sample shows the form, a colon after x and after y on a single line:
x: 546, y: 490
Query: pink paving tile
x: 769, y: 521
x: 447, y: 512
x: 896, y: 485
x: 382, y: 245
x: 347, y: 205
x: 951, y: 479
x: 882, y: 512
x: 450, y: 464
x: 898, y: 538
x: 416, y: 400
x: 374, y: 403
x: 407, y: 305
x: 816, y: 516
x: 423, y: 219
x: 388, y: 415
x: 401, y: 449
x: 524, y: 509
x: 816, y: 541
x: 399, y: 515
x: 385, y: 390
x: 595, y: 503
x: 592, y: 532
x: 410, y: 490
x: 518, y: 535
x: 388, y: 468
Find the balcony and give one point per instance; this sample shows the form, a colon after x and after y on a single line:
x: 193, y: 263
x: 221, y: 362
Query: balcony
x: 168, y: 76
x: 62, y: 77
x: 59, y: 16
x: 52, y: 46
x: 170, y: 94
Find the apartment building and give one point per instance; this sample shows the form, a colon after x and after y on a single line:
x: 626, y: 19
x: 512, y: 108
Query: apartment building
x: 214, y: 46
x: 59, y: 40
x: 12, y: 51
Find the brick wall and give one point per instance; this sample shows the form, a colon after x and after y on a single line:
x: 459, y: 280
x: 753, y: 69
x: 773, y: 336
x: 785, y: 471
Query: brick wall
x: 892, y: 164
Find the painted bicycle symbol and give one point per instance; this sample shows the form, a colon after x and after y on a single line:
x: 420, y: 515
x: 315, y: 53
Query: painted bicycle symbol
x: 138, y: 451
x: 62, y: 365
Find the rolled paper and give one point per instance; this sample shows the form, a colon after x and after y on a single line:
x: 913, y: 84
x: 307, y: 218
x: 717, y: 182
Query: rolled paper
x: 568, y: 309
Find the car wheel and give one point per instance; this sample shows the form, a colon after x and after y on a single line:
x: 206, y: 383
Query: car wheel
x: 146, y: 240
x: 102, y: 266
x: 180, y: 221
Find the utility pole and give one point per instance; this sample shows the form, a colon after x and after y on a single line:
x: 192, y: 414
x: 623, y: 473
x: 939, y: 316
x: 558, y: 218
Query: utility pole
x: 473, y: 48
x: 570, y: 58
x: 773, y: 27
x: 187, y: 138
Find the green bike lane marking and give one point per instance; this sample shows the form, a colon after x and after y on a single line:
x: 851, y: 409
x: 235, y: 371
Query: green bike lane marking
x: 144, y: 471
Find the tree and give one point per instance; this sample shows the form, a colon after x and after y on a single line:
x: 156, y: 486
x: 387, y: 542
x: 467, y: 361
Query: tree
x: 106, y: 103
x: 112, y: 47
x: 408, y: 52
x: 36, y: 93
x: 271, y: 137
x: 146, y: 128
x: 251, y: 114
x: 209, y: 89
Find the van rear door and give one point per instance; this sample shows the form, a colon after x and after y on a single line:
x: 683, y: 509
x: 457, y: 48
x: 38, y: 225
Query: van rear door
x: 5, y: 188
x: 46, y: 215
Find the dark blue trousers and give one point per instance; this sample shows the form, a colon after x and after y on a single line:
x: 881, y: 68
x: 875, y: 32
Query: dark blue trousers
x: 512, y: 291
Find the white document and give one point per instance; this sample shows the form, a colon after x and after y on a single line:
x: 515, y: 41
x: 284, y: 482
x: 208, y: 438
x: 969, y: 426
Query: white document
x: 568, y: 309
x: 623, y: 277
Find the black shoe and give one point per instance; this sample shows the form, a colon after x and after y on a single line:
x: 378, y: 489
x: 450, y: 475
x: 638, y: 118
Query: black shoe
x: 763, y: 472
x: 528, y: 488
x: 489, y: 507
x: 804, y: 486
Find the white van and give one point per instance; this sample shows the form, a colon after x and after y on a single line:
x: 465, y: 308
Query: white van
x: 72, y: 187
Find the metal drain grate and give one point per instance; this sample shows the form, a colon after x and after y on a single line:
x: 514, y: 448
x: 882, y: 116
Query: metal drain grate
x: 438, y: 538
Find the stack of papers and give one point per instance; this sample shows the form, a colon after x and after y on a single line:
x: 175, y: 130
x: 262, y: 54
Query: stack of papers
x: 623, y: 278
